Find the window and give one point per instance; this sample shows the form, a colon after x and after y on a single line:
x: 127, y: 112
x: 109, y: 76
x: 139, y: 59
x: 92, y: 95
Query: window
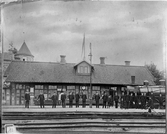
x: 70, y: 87
x: 81, y: 68
x: 38, y: 86
x: 52, y: 87
x: 96, y: 88
x: 20, y: 86
x: 24, y: 58
x: 86, y: 70
x: 17, y: 86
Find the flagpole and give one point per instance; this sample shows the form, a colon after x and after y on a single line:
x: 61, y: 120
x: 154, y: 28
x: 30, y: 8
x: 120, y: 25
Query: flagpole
x: 90, y: 103
x: 2, y: 57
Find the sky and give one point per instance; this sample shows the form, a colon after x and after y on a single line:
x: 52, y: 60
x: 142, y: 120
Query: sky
x: 119, y: 31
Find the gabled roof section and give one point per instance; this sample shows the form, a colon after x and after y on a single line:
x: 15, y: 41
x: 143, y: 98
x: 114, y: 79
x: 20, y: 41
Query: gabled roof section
x: 24, y: 50
x: 82, y: 62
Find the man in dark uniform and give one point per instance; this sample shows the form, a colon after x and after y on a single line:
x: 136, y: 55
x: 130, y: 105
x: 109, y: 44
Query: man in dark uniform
x: 116, y: 99
x: 147, y: 98
x: 123, y: 100
x: 84, y: 97
x: 136, y: 104
x: 127, y: 100
x: 110, y: 101
x: 41, y: 99
x: 143, y: 100
x: 150, y: 103
x: 97, y: 98
x: 153, y: 99
x: 160, y: 100
x: 77, y: 99
x: 27, y: 99
x: 71, y: 98
x: 131, y: 100
x: 105, y: 99
x: 63, y: 99
x: 139, y: 100
x: 54, y: 100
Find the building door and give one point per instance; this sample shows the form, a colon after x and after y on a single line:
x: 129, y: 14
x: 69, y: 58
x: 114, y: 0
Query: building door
x: 7, y: 96
x: 17, y: 96
x: 13, y: 96
x: 22, y: 97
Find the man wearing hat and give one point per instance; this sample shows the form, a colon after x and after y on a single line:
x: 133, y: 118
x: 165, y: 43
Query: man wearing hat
x: 27, y: 99
x: 54, y: 100
x: 41, y: 99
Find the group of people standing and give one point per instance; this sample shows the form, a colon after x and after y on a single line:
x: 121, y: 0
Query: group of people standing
x: 61, y: 99
x: 126, y: 100
x: 71, y: 97
x: 108, y: 101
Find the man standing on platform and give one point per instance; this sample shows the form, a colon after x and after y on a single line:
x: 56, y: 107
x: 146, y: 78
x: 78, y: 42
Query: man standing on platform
x: 71, y: 98
x: 27, y: 99
x: 136, y: 101
x: 143, y: 101
x: 84, y: 97
x: 122, y: 101
x: 59, y: 98
x: 54, y: 100
x: 97, y: 98
x: 116, y: 98
x: 110, y: 101
x: 63, y: 99
x: 105, y: 99
x: 153, y: 99
x: 160, y: 100
x: 41, y: 99
x: 127, y: 100
x: 131, y: 99
x: 77, y: 99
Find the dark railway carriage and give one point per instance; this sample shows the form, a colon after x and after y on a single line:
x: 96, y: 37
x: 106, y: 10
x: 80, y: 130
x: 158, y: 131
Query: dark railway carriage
x: 158, y: 92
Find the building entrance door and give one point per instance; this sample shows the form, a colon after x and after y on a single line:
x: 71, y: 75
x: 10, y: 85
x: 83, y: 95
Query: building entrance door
x: 20, y: 93
x: 7, y: 96
x: 17, y: 96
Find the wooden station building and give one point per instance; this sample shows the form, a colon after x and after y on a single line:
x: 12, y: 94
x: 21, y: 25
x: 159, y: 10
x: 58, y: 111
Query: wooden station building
x: 48, y: 77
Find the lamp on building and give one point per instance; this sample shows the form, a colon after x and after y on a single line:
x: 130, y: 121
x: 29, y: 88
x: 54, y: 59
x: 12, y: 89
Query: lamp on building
x: 6, y: 84
x: 83, y: 88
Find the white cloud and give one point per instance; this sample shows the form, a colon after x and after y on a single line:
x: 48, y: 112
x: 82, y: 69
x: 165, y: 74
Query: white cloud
x: 43, y: 12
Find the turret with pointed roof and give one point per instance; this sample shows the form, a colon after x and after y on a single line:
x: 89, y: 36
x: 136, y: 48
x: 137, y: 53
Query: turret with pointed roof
x: 24, y: 53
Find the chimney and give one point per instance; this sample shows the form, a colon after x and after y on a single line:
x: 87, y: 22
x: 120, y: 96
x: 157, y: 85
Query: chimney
x: 102, y: 60
x: 127, y: 63
x: 63, y: 61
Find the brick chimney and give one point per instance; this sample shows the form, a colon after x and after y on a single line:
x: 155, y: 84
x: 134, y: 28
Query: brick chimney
x: 102, y: 60
x: 62, y: 59
x: 127, y: 63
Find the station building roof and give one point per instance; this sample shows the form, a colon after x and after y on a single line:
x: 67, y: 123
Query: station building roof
x: 48, y: 72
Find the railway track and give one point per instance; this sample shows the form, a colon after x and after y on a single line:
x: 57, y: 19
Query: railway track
x: 79, y: 115
x: 136, y: 123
